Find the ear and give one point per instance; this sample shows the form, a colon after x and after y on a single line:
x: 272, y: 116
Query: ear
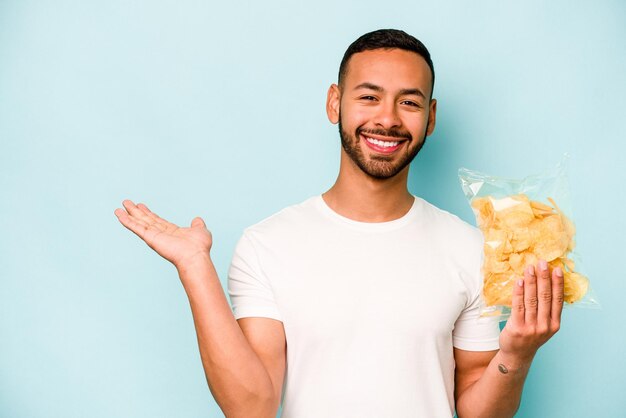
x: 332, y: 103
x: 432, y: 116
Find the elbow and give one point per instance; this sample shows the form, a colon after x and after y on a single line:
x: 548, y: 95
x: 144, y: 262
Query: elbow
x: 481, y: 412
x: 254, y: 406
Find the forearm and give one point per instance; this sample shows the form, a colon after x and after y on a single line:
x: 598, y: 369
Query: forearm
x: 497, y: 394
x: 236, y: 376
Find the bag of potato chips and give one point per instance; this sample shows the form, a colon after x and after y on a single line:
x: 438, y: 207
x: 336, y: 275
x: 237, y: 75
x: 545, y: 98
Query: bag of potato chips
x: 524, y: 221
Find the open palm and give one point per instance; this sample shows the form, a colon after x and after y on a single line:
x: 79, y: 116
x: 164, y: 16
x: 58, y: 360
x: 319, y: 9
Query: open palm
x: 176, y: 244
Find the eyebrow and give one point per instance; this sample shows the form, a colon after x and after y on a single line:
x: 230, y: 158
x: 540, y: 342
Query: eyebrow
x: 403, y: 92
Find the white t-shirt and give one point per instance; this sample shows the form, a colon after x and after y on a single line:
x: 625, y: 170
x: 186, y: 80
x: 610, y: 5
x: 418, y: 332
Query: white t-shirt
x: 371, y: 311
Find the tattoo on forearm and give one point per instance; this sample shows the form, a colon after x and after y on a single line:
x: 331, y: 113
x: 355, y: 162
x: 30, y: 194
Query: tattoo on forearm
x: 503, y: 368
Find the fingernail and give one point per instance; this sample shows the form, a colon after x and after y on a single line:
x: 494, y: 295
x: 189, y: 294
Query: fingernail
x: 559, y: 272
x: 530, y: 270
x: 543, y: 265
x: 520, y: 282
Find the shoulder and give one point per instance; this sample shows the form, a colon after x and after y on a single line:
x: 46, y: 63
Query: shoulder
x: 459, y: 243
x: 285, y: 221
x: 448, y: 226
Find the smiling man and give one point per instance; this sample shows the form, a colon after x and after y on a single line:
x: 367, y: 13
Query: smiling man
x: 362, y: 301
x: 410, y: 123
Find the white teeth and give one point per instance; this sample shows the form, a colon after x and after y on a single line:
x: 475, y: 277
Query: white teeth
x: 385, y: 144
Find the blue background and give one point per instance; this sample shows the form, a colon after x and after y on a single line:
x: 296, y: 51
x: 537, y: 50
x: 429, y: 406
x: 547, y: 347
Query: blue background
x: 217, y: 110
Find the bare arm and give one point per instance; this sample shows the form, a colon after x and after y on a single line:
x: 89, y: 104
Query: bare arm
x: 244, y: 366
x: 490, y: 384
x: 482, y: 390
x: 239, y: 377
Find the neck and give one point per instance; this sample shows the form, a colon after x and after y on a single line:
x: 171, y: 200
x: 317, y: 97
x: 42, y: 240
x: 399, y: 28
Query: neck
x: 362, y: 198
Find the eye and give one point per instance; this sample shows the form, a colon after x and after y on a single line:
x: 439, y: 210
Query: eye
x: 410, y: 103
x: 369, y: 98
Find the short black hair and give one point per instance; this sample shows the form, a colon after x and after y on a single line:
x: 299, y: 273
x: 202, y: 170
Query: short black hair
x: 386, y: 39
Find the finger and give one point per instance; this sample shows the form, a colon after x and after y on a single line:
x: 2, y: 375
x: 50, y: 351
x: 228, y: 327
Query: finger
x: 136, y: 226
x: 557, y: 298
x: 530, y: 295
x: 155, y: 220
x: 123, y: 215
x: 150, y: 214
x: 517, y: 303
x: 544, y: 294
x: 135, y: 212
x: 197, y: 221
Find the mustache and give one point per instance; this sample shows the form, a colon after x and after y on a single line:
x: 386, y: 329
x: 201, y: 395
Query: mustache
x: 393, y: 133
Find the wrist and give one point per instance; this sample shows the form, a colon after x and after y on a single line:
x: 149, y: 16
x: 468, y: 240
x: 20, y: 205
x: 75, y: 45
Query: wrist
x: 197, y: 274
x: 516, y: 361
x: 199, y: 261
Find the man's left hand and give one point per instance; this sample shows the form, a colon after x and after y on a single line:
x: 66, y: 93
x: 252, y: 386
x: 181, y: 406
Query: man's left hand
x: 535, y: 313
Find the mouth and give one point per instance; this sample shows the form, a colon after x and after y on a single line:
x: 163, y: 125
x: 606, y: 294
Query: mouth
x: 382, y: 144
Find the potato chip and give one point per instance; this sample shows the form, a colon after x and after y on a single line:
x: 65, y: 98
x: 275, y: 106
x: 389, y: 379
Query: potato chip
x: 569, y: 264
x: 519, y: 261
x: 540, y: 209
x: 553, y: 239
x: 496, y: 243
x: 498, y: 288
x: 575, y: 286
x: 519, y: 232
x: 496, y: 266
x: 522, y: 239
x: 567, y: 223
x: 483, y: 209
x: 514, y: 211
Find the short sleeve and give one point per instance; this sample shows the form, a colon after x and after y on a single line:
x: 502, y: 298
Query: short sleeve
x: 471, y: 331
x: 249, y: 290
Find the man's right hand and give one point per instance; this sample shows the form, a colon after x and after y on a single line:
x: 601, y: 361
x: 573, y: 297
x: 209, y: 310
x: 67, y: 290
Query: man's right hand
x: 180, y: 246
x: 244, y: 361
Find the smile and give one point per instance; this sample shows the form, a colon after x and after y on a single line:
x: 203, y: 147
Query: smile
x: 382, y: 146
x: 382, y: 143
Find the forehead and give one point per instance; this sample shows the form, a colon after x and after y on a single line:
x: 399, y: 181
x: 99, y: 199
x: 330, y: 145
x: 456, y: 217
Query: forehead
x: 389, y: 68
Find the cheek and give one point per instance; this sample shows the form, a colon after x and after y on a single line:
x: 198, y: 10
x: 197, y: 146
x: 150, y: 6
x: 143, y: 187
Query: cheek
x: 356, y: 117
x: 416, y: 124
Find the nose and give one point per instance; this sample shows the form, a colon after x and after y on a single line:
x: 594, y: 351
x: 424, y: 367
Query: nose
x: 387, y: 115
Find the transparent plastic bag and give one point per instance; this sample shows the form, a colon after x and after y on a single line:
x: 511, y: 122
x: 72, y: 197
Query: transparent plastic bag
x: 523, y: 221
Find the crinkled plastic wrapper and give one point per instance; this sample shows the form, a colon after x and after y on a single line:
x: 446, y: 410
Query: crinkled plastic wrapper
x: 524, y: 221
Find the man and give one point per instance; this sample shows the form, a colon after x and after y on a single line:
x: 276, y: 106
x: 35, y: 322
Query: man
x: 363, y: 301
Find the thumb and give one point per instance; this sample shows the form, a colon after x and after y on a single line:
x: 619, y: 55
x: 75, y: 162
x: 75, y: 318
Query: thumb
x: 198, y: 222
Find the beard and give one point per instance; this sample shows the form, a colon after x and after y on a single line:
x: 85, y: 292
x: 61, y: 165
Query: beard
x: 380, y: 167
